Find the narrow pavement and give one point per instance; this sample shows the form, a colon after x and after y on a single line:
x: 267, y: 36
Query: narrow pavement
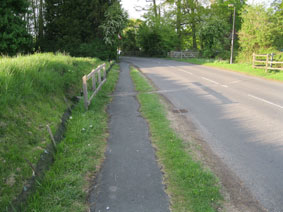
x: 130, y: 179
x: 240, y: 117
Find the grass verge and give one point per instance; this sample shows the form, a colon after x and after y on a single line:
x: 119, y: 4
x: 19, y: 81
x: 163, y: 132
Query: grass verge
x: 33, y: 90
x: 190, y: 186
x: 243, y: 68
x: 79, y: 156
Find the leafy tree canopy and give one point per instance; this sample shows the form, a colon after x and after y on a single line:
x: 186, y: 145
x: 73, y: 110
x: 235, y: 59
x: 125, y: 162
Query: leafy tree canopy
x: 257, y: 33
x: 14, y: 37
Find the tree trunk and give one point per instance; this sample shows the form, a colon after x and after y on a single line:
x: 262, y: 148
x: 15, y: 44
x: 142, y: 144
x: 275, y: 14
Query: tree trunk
x: 194, y: 36
x: 40, y: 23
x: 155, y: 10
x: 34, y: 16
x: 194, y: 29
x: 178, y: 25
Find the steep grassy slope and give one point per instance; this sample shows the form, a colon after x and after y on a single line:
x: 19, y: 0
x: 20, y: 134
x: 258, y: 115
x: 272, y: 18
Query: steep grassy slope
x: 32, y: 92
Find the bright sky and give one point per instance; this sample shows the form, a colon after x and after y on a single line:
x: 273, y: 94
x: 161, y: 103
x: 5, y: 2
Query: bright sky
x: 130, y: 5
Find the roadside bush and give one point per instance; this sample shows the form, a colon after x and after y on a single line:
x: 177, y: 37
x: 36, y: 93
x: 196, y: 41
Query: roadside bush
x: 214, y: 39
x: 257, y: 33
x: 97, y: 48
x: 156, y: 40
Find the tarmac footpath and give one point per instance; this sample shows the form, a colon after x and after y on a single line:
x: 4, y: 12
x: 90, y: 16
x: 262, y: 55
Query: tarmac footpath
x: 130, y: 179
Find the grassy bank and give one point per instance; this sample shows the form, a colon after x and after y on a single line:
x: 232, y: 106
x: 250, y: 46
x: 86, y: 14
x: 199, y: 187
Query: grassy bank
x: 190, y: 186
x: 244, y: 68
x: 78, y: 157
x: 32, y: 91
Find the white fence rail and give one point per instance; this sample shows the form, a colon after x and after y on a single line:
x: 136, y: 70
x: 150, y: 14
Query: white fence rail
x: 97, y: 81
x: 183, y: 54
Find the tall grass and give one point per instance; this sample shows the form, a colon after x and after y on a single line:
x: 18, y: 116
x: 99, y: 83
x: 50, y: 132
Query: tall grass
x: 32, y: 90
x: 78, y: 156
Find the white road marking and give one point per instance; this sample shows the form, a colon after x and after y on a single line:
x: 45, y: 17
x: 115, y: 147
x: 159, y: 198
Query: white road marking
x: 234, y: 82
x: 263, y: 100
x: 210, y: 80
x: 187, y: 72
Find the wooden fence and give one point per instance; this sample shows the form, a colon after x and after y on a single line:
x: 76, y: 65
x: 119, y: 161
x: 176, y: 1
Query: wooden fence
x: 183, y: 54
x: 97, y: 82
x: 265, y: 61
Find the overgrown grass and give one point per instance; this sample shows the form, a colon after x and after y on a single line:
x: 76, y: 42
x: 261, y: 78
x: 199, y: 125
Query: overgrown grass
x: 191, y: 187
x: 238, y: 67
x: 32, y: 90
x: 78, y: 157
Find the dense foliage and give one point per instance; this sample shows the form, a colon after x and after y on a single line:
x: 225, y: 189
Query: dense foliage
x: 56, y: 25
x: 256, y: 34
x: 261, y: 31
x: 193, y: 25
x: 14, y: 37
x: 157, y: 40
x: 96, y: 28
x: 213, y: 37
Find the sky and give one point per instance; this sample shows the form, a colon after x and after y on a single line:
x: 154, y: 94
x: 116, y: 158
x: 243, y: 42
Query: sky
x: 129, y: 5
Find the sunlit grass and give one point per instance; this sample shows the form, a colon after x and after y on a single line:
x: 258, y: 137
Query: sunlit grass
x: 191, y: 187
x: 32, y: 90
x: 79, y: 155
x: 238, y: 67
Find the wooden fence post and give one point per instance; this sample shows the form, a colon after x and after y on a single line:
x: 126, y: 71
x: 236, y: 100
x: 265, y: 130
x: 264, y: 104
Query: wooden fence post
x: 96, y: 83
x: 253, y: 60
x: 272, y: 55
x: 99, y: 76
x: 266, y: 63
x: 85, y: 91
x: 104, y: 70
x: 31, y: 166
x: 93, y: 82
x: 52, y: 137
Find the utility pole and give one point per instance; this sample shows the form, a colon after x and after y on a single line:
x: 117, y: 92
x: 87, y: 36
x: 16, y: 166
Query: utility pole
x: 233, y: 33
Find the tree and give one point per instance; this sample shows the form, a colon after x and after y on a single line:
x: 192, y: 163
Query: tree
x: 213, y: 37
x: 73, y: 26
x: 115, y: 21
x: 187, y: 16
x: 192, y: 12
x: 223, y: 12
x: 277, y: 19
x: 129, y: 36
x: 35, y: 21
x: 178, y: 14
x: 157, y: 40
x: 257, y: 32
x: 14, y: 37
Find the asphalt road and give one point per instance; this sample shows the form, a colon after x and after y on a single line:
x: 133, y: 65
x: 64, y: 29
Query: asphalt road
x: 240, y: 117
x: 130, y: 179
